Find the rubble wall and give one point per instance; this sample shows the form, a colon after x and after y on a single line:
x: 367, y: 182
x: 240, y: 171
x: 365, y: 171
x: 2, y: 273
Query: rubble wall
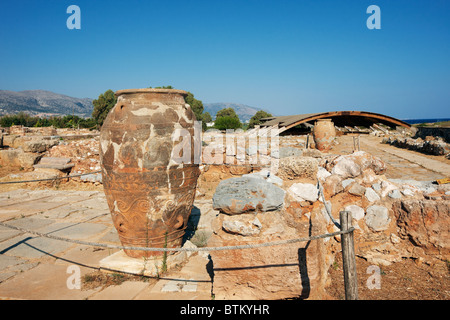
x: 443, y: 132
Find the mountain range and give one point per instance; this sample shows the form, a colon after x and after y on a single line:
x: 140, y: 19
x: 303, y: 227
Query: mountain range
x: 41, y: 103
x: 47, y: 103
x: 243, y: 111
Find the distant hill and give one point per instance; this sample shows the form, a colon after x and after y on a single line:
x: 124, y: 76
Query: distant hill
x: 243, y: 111
x: 40, y: 102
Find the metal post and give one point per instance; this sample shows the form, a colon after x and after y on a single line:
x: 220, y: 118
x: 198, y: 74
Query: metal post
x: 348, y: 257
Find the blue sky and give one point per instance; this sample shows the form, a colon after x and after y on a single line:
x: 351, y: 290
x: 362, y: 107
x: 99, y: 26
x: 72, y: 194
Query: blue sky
x: 285, y: 56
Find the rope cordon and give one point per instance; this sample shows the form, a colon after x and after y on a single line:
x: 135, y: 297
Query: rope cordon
x: 244, y: 246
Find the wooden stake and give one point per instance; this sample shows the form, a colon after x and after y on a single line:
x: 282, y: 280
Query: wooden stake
x: 348, y: 257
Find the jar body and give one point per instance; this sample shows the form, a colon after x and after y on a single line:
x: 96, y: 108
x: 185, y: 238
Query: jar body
x: 149, y: 193
x: 324, y: 134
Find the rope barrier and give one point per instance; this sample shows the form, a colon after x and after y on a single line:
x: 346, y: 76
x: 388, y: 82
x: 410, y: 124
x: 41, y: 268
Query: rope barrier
x: 238, y: 247
x: 246, y: 246
x: 325, y: 204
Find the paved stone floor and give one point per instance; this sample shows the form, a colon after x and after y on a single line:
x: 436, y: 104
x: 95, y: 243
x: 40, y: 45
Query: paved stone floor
x: 33, y: 267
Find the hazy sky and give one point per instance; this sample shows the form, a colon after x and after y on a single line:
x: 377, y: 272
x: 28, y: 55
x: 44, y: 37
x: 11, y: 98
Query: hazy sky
x: 285, y: 56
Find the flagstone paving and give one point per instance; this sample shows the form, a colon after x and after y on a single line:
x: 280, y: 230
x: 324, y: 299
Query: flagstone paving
x: 33, y: 267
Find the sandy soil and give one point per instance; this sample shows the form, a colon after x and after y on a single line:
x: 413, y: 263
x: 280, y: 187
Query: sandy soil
x: 406, y: 280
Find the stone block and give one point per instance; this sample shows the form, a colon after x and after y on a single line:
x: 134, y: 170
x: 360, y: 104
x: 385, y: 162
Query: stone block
x: 377, y: 218
x: 304, y: 191
x: 245, y: 194
x: 298, y: 167
x: 426, y: 223
x: 371, y: 195
x: 18, y: 158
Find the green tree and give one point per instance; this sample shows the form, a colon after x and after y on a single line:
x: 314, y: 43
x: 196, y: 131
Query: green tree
x: 6, y: 121
x: 197, y: 108
x: 256, y: 119
x: 196, y: 105
x: 87, y: 123
x: 227, y: 122
x: 206, y: 117
x: 21, y: 118
x: 227, y: 119
x: 103, y: 105
x: 227, y: 112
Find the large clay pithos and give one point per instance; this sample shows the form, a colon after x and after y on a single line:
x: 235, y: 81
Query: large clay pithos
x: 150, y: 193
x: 324, y: 134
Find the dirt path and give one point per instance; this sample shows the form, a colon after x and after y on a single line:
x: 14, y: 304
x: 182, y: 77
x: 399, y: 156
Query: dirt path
x: 406, y: 280
x: 401, y: 163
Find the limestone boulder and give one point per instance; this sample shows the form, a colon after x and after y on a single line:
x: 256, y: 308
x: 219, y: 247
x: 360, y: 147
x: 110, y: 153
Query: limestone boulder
x: 273, y: 272
x: 93, y: 177
x: 377, y: 218
x: 246, y: 194
x: 8, y: 140
x: 384, y: 253
x: 426, y: 223
x: 356, y: 211
x: 332, y: 185
x: 322, y: 174
x: 267, y: 175
x: 243, y: 224
x: 371, y: 195
x: 18, y: 158
x: 386, y: 188
x: 39, y: 145
x: 356, y: 189
x: 312, y: 153
x: 368, y: 177
x: 240, y: 170
x: 285, y: 152
x: 32, y: 143
x: 347, y: 182
x: 395, y: 194
x: 304, y: 192
x: 353, y: 165
x: 295, y: 167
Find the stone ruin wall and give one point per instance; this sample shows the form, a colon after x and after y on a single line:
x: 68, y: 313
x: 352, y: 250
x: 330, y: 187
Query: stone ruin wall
x: 394, y: 220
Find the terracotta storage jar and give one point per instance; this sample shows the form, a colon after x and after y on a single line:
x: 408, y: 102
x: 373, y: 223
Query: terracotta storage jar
x: 324, y: 134
x: 150, y: 195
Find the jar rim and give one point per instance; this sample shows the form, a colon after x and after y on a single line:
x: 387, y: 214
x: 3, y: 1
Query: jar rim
x: 150, y: 90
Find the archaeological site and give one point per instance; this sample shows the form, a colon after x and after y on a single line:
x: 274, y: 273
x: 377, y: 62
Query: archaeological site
x: 235, y: 215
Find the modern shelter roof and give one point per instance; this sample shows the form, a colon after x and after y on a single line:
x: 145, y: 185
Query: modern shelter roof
x: 340, y: 118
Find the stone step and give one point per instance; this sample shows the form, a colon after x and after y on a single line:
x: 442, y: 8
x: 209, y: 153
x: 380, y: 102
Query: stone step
x: 55, y: 163
x: 54, y: 160
x: 193, y: 281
